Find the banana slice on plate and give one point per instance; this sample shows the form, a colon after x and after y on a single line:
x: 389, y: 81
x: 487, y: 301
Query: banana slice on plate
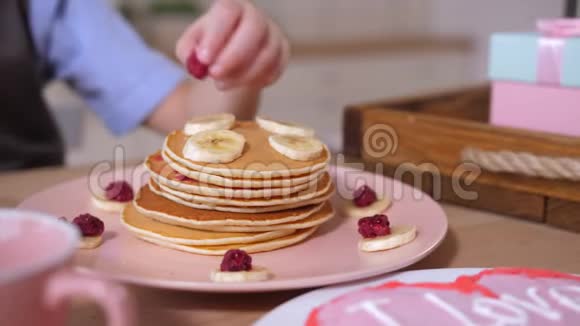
x: 400, y: 235
x: 379, y: 206
x: 209, y: 122
x: 90, y: 242
x: 284, y: 128
x: 108, y: 205
x: 214, y: 146
x: 256, y: 274
x: 296, y: 148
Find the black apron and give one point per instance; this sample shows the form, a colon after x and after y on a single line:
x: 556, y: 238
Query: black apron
x: 29, y: 136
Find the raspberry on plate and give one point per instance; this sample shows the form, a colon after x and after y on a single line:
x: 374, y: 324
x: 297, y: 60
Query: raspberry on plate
x: 237, y: 266
x: 114, y: 197
x: 89, y: 225
x: 364, y: 196
x: 374, y: 226
x: 236, y: 260
x: 92, y: 229
x: 119, y: 191
x: 365, y: 202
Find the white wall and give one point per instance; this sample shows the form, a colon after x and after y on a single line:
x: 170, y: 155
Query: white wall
x: 348, y: 19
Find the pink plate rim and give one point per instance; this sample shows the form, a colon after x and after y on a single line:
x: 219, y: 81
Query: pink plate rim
x: 268, y: 286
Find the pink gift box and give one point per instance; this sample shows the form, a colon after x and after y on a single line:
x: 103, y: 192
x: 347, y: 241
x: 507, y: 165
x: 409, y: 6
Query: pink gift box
x: 535, y: 107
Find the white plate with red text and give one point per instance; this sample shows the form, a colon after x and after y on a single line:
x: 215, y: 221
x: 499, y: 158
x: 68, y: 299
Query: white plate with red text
x: 297, y: 310
x: 330, y: 256
x: 450, y: 297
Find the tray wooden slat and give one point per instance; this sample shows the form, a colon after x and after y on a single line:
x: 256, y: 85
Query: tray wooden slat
x: 435, y: 129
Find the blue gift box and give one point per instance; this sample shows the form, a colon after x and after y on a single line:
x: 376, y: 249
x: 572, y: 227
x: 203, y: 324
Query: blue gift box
x: 515, y: 57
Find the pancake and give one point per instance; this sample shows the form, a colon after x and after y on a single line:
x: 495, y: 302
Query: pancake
x: 152, y: 205
x: 258, y: 160
x: 317, y: 189
x: 165, y: 175
x: 323, y: 215
x: 237, y: 209
x: 234, y: 182
x: 144, y: 226
x: 166, y: 211
x: 268, y: 245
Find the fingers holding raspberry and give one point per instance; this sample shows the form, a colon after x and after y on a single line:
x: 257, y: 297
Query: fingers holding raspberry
x: 267, y: 65
x: 243, y: 46
x: 210, y: 33
x: 221, y: 22
x: 238, y: 45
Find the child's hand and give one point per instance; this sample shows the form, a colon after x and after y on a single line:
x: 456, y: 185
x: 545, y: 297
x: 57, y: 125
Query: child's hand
x: 240, y: 45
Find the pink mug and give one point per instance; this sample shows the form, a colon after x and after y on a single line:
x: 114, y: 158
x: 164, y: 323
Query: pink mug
x: 35, y: 277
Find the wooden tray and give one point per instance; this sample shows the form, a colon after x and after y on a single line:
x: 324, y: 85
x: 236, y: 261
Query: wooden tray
x: 430, y: 133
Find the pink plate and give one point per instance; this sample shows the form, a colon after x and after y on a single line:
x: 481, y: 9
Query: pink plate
x: 330, y: 256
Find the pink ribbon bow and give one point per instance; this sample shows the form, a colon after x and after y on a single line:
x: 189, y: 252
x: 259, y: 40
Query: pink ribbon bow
x: 553, y: 33
x: 564, y: 27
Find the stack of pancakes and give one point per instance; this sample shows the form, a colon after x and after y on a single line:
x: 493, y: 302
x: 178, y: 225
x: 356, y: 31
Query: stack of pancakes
x: 261, y: 201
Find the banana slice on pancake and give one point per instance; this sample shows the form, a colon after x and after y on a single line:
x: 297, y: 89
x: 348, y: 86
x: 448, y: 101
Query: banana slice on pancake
x: 220, y: 121
x: 400, y: 235
x: 214, y: 146
x: 296, y: 147
x: 256, y: 274
x: 284, y: 128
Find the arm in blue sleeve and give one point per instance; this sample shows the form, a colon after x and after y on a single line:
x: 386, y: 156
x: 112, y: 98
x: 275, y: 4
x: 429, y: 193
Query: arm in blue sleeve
x: 88, y: 44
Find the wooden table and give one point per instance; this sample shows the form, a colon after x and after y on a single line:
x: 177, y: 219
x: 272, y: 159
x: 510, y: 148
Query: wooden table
x: 475, y: 239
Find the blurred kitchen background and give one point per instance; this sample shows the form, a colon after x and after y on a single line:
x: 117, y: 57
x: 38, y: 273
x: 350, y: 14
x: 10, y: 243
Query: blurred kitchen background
x: 344, y: 52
